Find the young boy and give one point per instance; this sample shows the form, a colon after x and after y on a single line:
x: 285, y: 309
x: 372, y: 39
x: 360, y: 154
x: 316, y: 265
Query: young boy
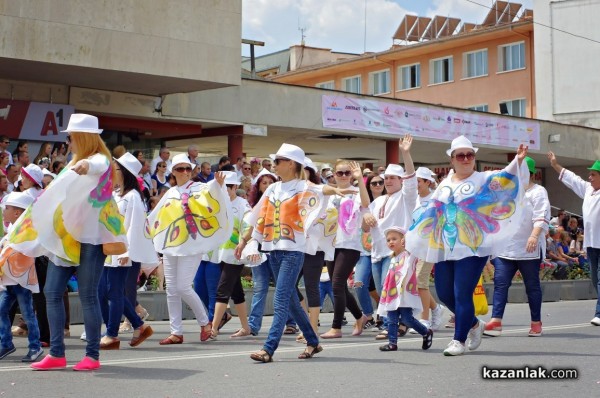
x: 400, y: 294
x: 19, y: 279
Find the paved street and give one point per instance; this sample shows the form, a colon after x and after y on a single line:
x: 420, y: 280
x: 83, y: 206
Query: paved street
x: 351, y: 366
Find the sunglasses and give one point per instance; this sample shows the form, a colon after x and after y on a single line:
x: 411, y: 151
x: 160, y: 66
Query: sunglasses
x: 376, y: 183
x: 186, y: 169
x: 162, y: 165
x: 328, y: 177
x: 279, y: 160
x: 346, y: 173
x: 246, y: 168
x: 461, y: 157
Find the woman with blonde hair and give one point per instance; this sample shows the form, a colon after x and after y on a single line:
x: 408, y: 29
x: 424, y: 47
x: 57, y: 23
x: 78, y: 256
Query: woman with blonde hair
x: 75, y: 232
x: 45, y: 152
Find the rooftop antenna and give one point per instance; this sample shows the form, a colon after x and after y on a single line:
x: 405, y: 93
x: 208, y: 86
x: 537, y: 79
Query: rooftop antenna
x: 302, y: 35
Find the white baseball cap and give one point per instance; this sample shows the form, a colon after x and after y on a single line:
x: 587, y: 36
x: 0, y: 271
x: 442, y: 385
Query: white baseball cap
x: 291, y: 152
x: 460, y: 142
x: 18, y: 199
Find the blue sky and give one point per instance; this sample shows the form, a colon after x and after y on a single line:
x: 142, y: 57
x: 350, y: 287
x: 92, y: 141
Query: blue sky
x: 339, y: 25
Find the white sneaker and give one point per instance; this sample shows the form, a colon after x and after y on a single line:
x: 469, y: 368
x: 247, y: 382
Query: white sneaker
x: 454, y: 348
x: 595, y: 321
x: 83, y: 337
x: 436, y: 317
x: 474, y: 336
x: 424, y: 322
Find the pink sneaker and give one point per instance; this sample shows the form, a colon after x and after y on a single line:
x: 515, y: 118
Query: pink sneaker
x: 493, y: 329
x: 536, y: 329
x: 50, y: 363
x: 87, y: 363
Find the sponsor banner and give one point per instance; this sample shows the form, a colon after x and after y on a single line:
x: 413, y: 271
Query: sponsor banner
x: 34, y: 121
x: 440, y: 124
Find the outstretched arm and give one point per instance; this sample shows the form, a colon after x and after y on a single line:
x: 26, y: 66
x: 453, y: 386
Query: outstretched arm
x: 554, y: 162
x: 405, y: 145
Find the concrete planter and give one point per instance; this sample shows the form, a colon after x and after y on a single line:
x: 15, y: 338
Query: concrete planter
x: 579, y: 289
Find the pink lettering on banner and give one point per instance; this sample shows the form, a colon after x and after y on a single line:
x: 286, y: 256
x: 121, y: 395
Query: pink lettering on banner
x: 440, y: 124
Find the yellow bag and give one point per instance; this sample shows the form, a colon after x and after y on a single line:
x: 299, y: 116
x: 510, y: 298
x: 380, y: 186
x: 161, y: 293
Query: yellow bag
x: 479, y: 299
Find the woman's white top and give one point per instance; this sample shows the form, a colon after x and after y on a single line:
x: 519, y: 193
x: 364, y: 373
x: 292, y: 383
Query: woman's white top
x: 536, y: 213
x: 590, y: 209
x: 225, y: 253
x: 348, y: 235
x: 392, y: 210
x: 140, y: 246
x: 282, y: 217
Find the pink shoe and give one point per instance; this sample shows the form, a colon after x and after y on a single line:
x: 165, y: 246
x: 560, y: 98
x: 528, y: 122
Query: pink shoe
x: 87, y: 363
x: 50, y: 363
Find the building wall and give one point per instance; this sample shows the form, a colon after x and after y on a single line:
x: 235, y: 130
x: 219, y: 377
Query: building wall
x: 491, y: 89
x: 164, y: 38
x: 567, y: 66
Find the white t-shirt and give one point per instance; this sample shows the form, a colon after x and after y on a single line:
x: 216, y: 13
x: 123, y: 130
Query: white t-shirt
x: 590, y: 207
x: 348, y: 233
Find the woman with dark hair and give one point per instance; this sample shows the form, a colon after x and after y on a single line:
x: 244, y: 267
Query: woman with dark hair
x: 117, y: 268
x: 22, y: 146
x: 45, y: 152
x: 261, y: 274
x: 160, y: 178
x: 375, y: 186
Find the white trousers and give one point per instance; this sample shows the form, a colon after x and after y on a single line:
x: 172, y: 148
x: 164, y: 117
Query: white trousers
x: 179, y: 275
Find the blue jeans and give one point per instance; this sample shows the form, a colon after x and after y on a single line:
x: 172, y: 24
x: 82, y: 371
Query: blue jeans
x: 205, y: 285
x: 131, y: 282
x: 380, y: 269
x: 504, y: 271
x: 455, y: 282
x: 404, y: 314
x: 594, y: 259
x: 113, y: 302
x: 286, y: 266
x: 88, y: 277
x: 7, y: 299
x: 261, y: 276
x: 362, y: 273
x: 325, y: 289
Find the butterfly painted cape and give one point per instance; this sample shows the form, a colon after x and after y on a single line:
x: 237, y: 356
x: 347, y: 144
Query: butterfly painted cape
x: 321, y: 234
x: 400, y: 285
x: 192, y: 219
x: 17, y: 269
x: 284, y: 214
x: 473, y: 217
x: 74, y: 209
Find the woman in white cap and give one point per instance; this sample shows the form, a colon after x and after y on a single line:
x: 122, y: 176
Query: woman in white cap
x: 190, y: 220
x: 348, y: 246
x: 31, y: 180
x: 116, y: 268
x: 394, y: 209
x: 589, y: 191
x: 279, y: 221
x: 230, y: 283
x: 74, y: 222
x: 425, y: 184
x: 524, y: 253
x: 469, y: 217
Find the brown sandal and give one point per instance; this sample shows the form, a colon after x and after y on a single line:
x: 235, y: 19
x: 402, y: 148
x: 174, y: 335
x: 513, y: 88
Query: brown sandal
x: 172, y: 339
x: 264, y: 358
x: 309, y: 354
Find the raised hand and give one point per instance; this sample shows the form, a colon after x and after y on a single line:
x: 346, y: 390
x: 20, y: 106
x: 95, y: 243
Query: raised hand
x: 406, y: 143
x: 220, y: 177
x: 522, y: 152
x: 552, y: 158
x: 356, y: 170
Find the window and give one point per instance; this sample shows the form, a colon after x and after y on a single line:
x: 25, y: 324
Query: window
x: 409, y: 76
x: 379, y: 82
x: 441, y: 70
x: 479, y: 108
x: 511, y: 57
x: 330, y: 85
x: 352, y: 84
x: 475, y: 63
x: 515, y: 107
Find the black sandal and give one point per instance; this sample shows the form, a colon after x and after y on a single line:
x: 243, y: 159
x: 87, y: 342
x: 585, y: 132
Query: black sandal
x: 388, y: 347
x: 402, y: 329
x: 291, y: 330
x: 264, y: 358
x: 309, y: 354
x: 226, y: 318
x: 427, y: 340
